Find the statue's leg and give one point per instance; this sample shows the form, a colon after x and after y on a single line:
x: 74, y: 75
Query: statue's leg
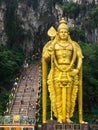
x: 74, y: 94
x: 52, y: 93
x: 58, y: 90
x: 68, y: 103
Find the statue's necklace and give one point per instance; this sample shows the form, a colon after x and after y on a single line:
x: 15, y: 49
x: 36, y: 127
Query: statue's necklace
x: 63, y: 45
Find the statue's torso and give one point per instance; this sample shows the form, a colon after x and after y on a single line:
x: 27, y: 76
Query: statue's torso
x: 63, y: 53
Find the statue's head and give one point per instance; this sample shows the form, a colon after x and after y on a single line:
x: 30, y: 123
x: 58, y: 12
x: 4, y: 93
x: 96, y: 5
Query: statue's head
x: 62, y: 30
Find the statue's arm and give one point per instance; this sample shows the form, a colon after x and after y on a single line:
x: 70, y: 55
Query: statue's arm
x: 79, y: 58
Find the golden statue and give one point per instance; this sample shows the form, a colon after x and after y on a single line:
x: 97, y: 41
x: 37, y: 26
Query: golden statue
x: 64, y: 79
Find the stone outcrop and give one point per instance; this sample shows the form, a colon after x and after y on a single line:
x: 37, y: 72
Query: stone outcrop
x: 35, y: 23
x: 2, y: 33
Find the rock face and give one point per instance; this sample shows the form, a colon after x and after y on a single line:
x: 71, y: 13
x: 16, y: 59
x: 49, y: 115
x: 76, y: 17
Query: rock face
x: 2, y: 33
x: 36, y: 22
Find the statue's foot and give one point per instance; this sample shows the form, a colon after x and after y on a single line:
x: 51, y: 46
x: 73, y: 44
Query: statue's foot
x: 69, y: 121
x: 60, y: 119
x: 83, y: 122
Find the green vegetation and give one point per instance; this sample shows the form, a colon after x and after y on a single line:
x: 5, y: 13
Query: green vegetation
x: 52, y: 2
x: 90, y: 76
x: 77, y: 34
x: 85, y: 15
x: 71, y: 9
x: 11, y: 61
x: 4, y: 96
x: 94, y: 14
x: 10, y: 64
x: 0, y: 2
x: 13, y: 24
x: 11, y: 57
x: 91, y: 19
x: 90, y: 80
x: 33, y: 3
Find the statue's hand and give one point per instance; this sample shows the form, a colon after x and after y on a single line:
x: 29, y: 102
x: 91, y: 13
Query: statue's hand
x: 73, y: 72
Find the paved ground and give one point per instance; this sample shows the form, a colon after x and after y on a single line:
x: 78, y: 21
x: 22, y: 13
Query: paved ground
x: 27, y: 92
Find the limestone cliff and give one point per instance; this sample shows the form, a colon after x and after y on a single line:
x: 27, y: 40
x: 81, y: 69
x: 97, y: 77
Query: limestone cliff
x: 2, y: 33
x: 35, y: 22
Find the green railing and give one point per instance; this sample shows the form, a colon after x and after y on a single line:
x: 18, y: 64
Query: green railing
x: 16, y: 119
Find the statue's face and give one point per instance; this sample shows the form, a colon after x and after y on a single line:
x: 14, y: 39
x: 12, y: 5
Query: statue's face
x: 63, y: 34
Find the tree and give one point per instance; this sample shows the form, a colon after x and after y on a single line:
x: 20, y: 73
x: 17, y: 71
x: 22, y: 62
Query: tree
x: 94, y: 14
x: 77, y: 34
x: 4, y: 96
x: 13, y: 24
x: 70, y: 9
x: 90, y: 76
x: 10, y: 63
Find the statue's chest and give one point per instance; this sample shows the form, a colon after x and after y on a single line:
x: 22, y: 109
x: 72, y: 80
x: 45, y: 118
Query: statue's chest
x: 64, y: 50
x: 63, y: 46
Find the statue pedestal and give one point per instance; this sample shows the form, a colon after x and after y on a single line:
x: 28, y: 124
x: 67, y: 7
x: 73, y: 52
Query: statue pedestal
x: 54, y: 125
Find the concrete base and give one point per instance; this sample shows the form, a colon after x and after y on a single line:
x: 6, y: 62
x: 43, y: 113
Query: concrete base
x: 54, y: 125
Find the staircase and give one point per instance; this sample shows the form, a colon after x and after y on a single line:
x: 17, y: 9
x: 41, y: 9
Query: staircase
x: 27, y: 92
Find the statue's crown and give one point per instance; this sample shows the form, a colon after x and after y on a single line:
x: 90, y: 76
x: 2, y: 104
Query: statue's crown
x: 62, y: 21
x: 62, y: 24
